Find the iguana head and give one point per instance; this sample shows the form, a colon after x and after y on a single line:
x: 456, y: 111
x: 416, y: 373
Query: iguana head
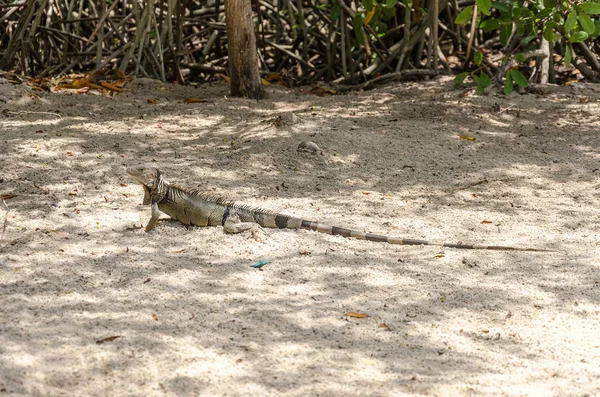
x: 148, y: 177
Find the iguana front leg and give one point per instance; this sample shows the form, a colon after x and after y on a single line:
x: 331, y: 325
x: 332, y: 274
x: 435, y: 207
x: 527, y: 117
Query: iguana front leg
x: 154, y: 219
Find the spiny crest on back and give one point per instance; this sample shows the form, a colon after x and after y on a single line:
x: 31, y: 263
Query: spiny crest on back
x: 213, y: 198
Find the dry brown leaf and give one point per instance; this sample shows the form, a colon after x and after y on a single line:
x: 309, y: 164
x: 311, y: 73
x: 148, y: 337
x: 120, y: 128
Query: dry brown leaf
x: 356, y: 315
x: 151, y: 101
x: 467, y: 137
x: 109, y: 339
x: 226, y: 78
x: 8, y: 196
x: 275, y: 77
x: 320, y: 91
x: 384, y: 325
x: 154, y: 316
x: 110, y: 86
x: 194, y: 100
x: 487, y: 222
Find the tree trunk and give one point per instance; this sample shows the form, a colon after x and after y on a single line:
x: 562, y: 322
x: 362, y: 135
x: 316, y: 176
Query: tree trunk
x: 243, y: 60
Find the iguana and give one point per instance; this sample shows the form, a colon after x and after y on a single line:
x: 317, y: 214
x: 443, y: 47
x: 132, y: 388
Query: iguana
x: 193, y: 207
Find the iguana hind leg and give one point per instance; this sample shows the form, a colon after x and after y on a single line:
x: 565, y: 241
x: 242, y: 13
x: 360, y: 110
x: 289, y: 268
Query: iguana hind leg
x: 233, y: 225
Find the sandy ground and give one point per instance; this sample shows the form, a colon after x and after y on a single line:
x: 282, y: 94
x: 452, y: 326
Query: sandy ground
x: 191, y: 317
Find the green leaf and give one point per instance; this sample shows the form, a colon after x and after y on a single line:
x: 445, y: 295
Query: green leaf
x: 520, y: 27
x: 570, y: 22
x: 586, y: 23
x: 508, y: 84
x: 478, y: 58
x: 578, y: 37
x: 358, y: 31
x: 408, y: 4
x: 549, y: 4
x: 503, y: 7
x: 548, y: 33
x: 465, y: 16
x: 458, y: 80
x: 484, y: 6
x: 505, y: 34
x: 544, y: 14
x: 516, y: 12
x: 520, y: 57
x: 590, y: 7
x: 597, y: 32
x: 335, y: 12
x: 390, y: 3
x: 387, y: 13
x: 368, y: 4
x: 568, y: 56
x: 489, y: 24
x: 519, y: 78
x: 482, y: 81
x: 486, y: 78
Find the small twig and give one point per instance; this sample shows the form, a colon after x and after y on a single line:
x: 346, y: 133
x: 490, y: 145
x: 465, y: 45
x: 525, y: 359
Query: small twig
x: 27, y: 112
x: 468, y: 186
x: 5, y: 219
x: 471, y: 35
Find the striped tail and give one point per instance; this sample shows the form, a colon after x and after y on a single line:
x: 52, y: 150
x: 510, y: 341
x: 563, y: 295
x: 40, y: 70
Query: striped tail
x: 334, y: 230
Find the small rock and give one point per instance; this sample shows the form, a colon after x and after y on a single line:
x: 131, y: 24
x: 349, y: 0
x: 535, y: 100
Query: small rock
x: 287, y: 118
x: 308, y: 147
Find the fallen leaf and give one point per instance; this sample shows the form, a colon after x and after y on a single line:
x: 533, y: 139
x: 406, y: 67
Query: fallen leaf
x: 154, y: 316
x: 109, y: 339
x: 320, y: 91
x: 467, y: 137
x: 384, y: 325
x: 151, y: 101
x: 486, y: 222
x: 110, y: 86
x: 194, y: 100
x: 356, y: 315
x: 226, y: 78
x: 8, y: 196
